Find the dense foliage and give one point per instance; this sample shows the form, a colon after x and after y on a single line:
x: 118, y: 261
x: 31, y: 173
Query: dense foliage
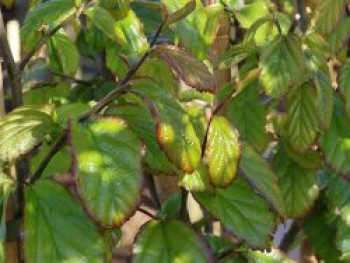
x: 269, y: 145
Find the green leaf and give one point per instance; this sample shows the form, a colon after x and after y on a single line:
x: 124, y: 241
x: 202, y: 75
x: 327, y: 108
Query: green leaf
x: 63, y: 55
x: 222, y: 152
x: 127, y: 32
x: 219, y: 245
x: 179, y: 14
x: 324, y: 97
x: 343, y: 241
x: 118, y: 8
x: 329, y: 14
x: 251, y: 12
x: 190, y: 69
x: 334, y: 141
x: 259, y: 173
x: 197, y: 30
x: 175, y: 132
x: 322, y: 236
x: 247, y: 113
x: 7, y: 187
x: 108, y: 169
x: 171, y: 207
x: 344, y: 84
x: 56, y: 227
x: 235, y: 54
x: 298, y: 185
x: 46, y: 95
x: 196, y: 181
x: 59, y: 163
x: 54, y: 11
x: 281, y: 61
x: 22, y: 130
x: 142, y: 123
x: 70, y: 111
x: 341, y: 34
x: 338, y: 193
x: 241, y: 211
x: 158, y: 70
x: 274, y: 256
x: 302, y: 122
x: 116, y: 61
x: 159, y: 242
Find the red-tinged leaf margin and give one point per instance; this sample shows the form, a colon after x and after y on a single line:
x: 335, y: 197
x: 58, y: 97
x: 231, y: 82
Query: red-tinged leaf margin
x: 75, y: 185
x: 206, y: 84
x: 200, y: 237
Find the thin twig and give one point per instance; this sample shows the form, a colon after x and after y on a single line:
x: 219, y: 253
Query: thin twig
x: 55, y: 148
x: 12, y: 70
x: 122, y: 85
x: 144, y: 211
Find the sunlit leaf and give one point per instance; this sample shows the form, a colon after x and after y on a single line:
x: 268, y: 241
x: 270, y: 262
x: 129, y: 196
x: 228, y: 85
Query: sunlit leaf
x: 22, y: 130
x: 222, y: 152
x: 108, y: 169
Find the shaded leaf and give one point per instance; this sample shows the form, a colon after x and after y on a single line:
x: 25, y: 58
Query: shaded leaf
x: 259, y: 173
x: 159, y: 242
x: 241, y: 211
x: 302, y: 122
x: 334, y: 141
x: 298, y: 185
x: 344, y: 84
x: 108, y: 169
x: 191, y: 70
x: 322, y: 236
x: 222, y: 152
x: 57, y: 229
x: 329, y: 13
x: 46, y: 95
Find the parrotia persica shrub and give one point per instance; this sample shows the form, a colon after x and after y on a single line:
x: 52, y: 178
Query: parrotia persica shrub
x: 271, y: 144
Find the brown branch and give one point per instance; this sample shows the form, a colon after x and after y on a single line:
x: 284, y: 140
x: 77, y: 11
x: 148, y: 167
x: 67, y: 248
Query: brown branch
x: 12, y: 70
x: 289, y: 237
